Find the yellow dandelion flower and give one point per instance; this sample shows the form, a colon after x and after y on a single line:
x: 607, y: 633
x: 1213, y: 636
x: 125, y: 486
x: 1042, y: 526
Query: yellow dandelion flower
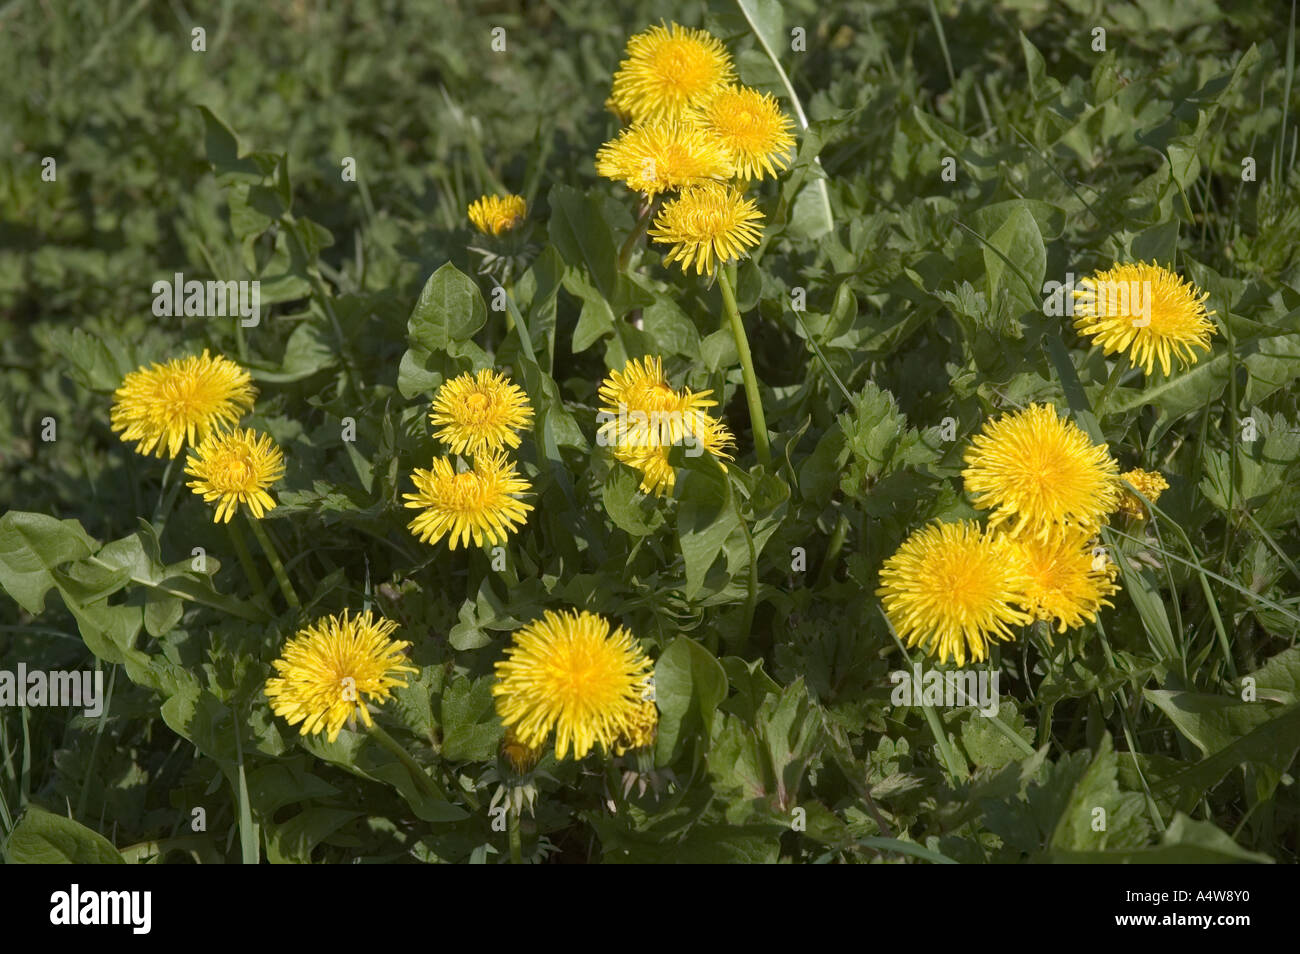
x: 1150, y: 485
x: 1147, y: 312
x: 641, y: 731
x: 658, y: 476
x: 707, y: 222
x: 477, y: 503
x: 952, y: 588
x: 668, y: 67
x: 567, y: 673
x: 235, y: 467
x: 642, y: 416
x: 1038, y: 470
x: 480, y: 412
x: 166, y: 405
x: 1066, y: 580
x: 492, y: 214
x: 643, y: 386
x: 750, y: 126
x: 330, y: 669
x: 661, y: 156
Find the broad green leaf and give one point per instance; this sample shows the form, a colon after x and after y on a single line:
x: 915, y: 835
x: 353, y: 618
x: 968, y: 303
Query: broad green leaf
x: 1185, y: 841
x: 705, y: 519
x: 291, y: 842
x: 31, y: 545
x: 580, y: 234
x: 43, y: 838
x: 356, y: 753
x: 1098, y: 816
x: 471, y: 730
x: 689, y: 685
x: 449, y: 311
x: 630, y: 509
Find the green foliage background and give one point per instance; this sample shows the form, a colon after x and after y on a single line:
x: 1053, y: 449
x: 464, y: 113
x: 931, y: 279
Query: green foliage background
x: 924, y: 302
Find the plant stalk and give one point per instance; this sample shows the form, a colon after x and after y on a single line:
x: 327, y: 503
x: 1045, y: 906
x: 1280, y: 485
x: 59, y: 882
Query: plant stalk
x: 422, y: 778
x: 756, y: 417
x: 277, y: 567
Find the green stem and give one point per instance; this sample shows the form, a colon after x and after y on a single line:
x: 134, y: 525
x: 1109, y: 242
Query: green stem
x: 516, y: 841
x: 94, y: 746
x: 277, y: 567
x: 756, y: 417
x: 738, y: 645
x: 956, y: 766
x: 642, y: 223
x: 246, y: 560
x: 422, y: 778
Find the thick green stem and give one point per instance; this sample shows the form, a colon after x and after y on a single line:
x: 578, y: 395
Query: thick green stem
x: 422, y: 778
x: 277, y: 567
x: 516, y: 841
x: 756, y: 417
x: 246, y: 560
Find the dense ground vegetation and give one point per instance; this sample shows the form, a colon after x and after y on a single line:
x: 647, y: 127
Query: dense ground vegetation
x: 958, y: 158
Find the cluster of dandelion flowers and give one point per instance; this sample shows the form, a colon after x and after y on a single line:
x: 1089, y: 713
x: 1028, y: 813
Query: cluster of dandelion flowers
x: 1170, y: 322
x: 750, y: 126
x: 235, y: 467
x: 953, y: 588
x: 329, y: 670
x: 492, y: 214
x: 667, y: 68
x: 568, y: 673
x: 478, y: 503
x: 662, y: 156
x: 642, y: 386
x: 480, y: 412
x: 644, y: 416
x: 1150, y: 485
x: 184, y: 400
x: 1064, y: 580
x: 1037, y: 471
x: 706, y: 224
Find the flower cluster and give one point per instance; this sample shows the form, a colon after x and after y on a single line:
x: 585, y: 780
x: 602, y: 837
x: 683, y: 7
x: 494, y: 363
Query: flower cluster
x: 692, y: 131
x: 478, y: 415
x: 199, y: 401
x: 1048, y: 489
x: 953, y: 588
x: 642, y: 416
